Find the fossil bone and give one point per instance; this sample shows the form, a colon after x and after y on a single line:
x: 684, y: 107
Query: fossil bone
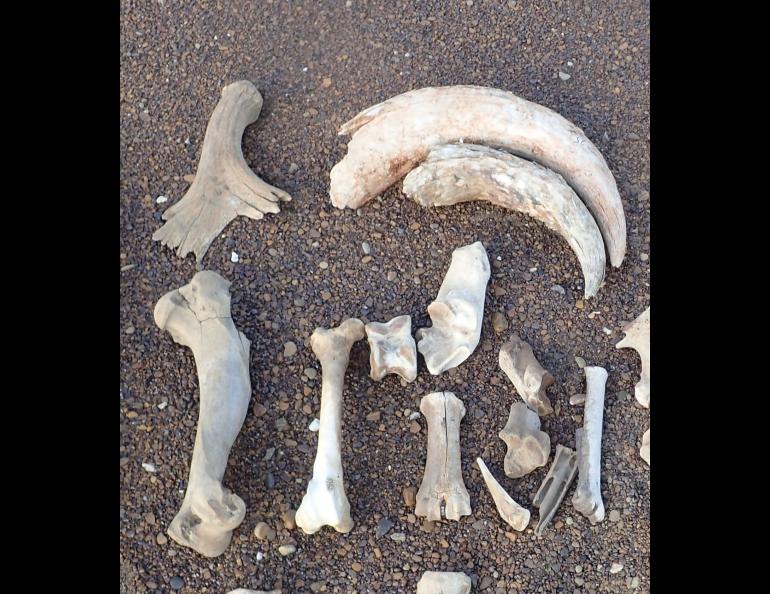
x: 325, y: 502
x: 224, y: 186
x: 197, y: 316
x: 644, y: 452
x: 588, y: 495
x: 390, y: 138
x: 528, y: 447
x: 392, y: 348
x: 638, y: 338
x: 516, y: 516
x: 455, y: 173
x: 529, y: 378
x: 555, y: 486
x: 444, y: 582
x: 443, y: 478
x: 457, y: 312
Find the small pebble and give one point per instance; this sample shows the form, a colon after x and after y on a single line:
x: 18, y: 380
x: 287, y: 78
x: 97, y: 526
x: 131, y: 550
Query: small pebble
x: 558, y: 289
x: 176, y: 583
x: 398, y: 536
x: 310, y: 373
x: 293, y: 168
x: 258, y: 409
x: 414, y: 427
x: 580, y: 304
x: 614, y: 515
x: 644, y: 257
x: 288, y: 519
x: 356, y: 566
x: 606, y: 330
x: 616, y: 568
x: 161, y: 539
x: 383, y: 526
x: 234, y: 257
x: 264, y: 532
x: 410, y: 496
x: 149, y: 467
x: 499, y: 322
x: 366, y: 248
x: 323, y: 265
x: 162, y: 405
x: 315, y: 425
x: 373, y: 416
x: 580, y: 362
x: 289, y: 349
x: 564, y: 75
x: 577, y: 399
x: 161, y: 199
x: 287, y: 549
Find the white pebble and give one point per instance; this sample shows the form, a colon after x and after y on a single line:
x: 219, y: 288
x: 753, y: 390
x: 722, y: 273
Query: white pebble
x: 606, y: 330
x: 414, y: 416
x: 533, y: 269
x: 315, y: 425
x: 260, y: 555
x: 234, y: 257
x: 163, y: 405
x: 149, y: 467
x: 616, y: 568
x: 161, y: 199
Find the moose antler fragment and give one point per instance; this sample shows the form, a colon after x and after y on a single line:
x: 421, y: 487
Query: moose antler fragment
x: 638, y: 338
x: 529, y: 378
x: 515, y: 516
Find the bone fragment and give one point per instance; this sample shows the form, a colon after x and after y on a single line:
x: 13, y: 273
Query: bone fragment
x: 529, y: 378
x: 516, y: 516
x: 197, y: 316
x: 457, y: 312
x: 638, y: 338
x: 224, y: 186
x: 644, y: 452
x: 392, y: 348
x: 443, y: 478
x: 325, y: 502
x: 245, y: 591
x: 444, y: 582
x: 528, y: 447
x: 555, y: 485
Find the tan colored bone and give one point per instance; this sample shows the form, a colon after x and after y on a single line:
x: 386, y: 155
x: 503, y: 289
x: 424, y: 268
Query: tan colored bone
x: 644, y: 452
x: 528, y: 447
x: 392, y: 348
x: 529, y: 378
x: 444, y: 582
x: 638, y: 338
x: 555, y: 486
x: 516, y: 516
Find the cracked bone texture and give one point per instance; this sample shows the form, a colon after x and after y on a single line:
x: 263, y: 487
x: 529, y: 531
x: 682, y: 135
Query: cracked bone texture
x: 392, y: 348
x: 455, y: 173
x: 197, y: 316
x: 325, y: 502
x: 457, y: 312
x: 390, y: 138
x: 529, y: 378
x: 443, y: 478
x: 638, y: 338
x: 444, y: 582
x: 644, y: 451
x: 516, y: 516
x: 588, y: 496
x: 224, y: 186
x: 555, y: 486
x: 528, y: 447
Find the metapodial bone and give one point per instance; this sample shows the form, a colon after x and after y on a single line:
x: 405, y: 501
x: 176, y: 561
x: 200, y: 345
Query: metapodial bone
x: 392, y: 348
x: 588, y: 496
x: 529, y: 378
x: 325, y: 502
x: 644, y: 452
x: 390, y: 138
x: 443, y: 478
x: 528, y: 447
x: 515, y: 516
x: 638, y: 338
x: 455, y: 173
x: 224, y: 186
x: 197, y: 316
x: 457, y: 312
x: 444, y: 582
x: 555, y: 486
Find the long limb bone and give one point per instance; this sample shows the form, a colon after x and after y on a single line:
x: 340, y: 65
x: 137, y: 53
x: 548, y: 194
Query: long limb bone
x: 638, y: 338
x: 516, y: 516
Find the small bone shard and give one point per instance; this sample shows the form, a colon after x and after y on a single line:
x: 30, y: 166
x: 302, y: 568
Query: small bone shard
x: 224, y: 186
x: 444, y: 582
x: 392, y: 348
x: 198, y: 316
x: 638, y: 338
x: 588, y: 496
x: 528, y: 447
x: 644, y: 452
x: 245, y: 591
x: 325, y: 502
x: 555, y: 485
x: 457, y: 312
x: 516, y: 516
x: 529, y: 378
x: 443, y: 478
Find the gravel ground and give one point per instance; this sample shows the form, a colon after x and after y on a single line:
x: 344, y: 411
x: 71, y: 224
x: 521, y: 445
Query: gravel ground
x: 318, y: 64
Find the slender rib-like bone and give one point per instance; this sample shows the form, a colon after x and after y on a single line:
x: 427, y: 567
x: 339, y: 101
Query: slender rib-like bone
x: 455, y: 173
x: 443, y: 478
x: 224, y: 186
x: 638, y: 338
x: 444, y: 582
x: 390, y: 138
x: 457, y: 312
x: 529, y: 378
x: 588, y: 495
x: 325, y: 502
x: 516, y: 516
x: 644, y: 451
x: 555, y: 486
x: 197, y: 316
x: 392, y: 348
x: 528, y: 447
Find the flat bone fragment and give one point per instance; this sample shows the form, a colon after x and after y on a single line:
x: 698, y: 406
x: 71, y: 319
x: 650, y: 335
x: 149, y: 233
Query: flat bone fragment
x: 529, y: 378
x: 455, y: 173
x: 516, y: 516
x: 197, y: 316
x: 588, y: 496
x: 443, y: 478
x: 644, y: 452
x: 389, y: 139
x: 638, y: 338
x: 224, y: 186
x: 457, y: 312
x: 392, y: 348
x: 325, y: 502
x: 555, y: 485
x: 528, y: 447
x: 444, y: 582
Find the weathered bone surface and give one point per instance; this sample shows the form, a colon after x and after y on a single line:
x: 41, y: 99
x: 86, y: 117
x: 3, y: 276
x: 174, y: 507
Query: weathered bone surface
x: 644, y: 452
x: 528, y: 447
x: 325, y: 502
x: 443, y: 478
x: 529, y: 378
x: 224, y: 186
x: 516, y: 516
x: 392, y: 348
x: 638, y: 338
x: 245, y: 591
x: 455, y: 173
x: 197, y: 316
x: 457, y: 312
x: 555, y: 486
x: 444, y: 582
x: 390, y: 138
x: 588, y: 496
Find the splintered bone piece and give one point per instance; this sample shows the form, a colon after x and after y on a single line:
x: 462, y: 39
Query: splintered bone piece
x: 555, y: 485
x: 516, y: 516
x: 638, y: 338
x: 644, y: 452
x: 529, y: 378
x: 528, y: 447
x: 444, y: 582
x: 392, y: 348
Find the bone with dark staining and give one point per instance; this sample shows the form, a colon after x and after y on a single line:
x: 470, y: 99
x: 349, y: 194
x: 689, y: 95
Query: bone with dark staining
x: 528, y: 447
x: 529, y: 378
x: 644, y: 451
x: 444, y: 582
x: 638, y: 338
x: 555, y: 486
x: 516, y: 516
x: 392, y: 348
